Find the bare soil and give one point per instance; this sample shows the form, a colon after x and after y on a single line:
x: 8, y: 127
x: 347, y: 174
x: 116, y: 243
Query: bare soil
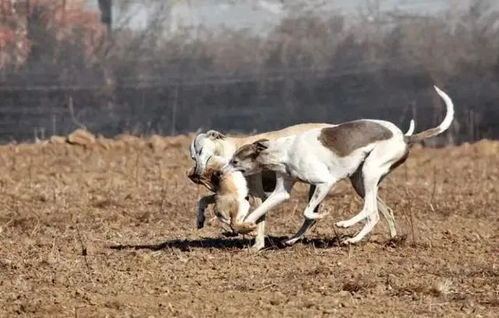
x: 108, y: 229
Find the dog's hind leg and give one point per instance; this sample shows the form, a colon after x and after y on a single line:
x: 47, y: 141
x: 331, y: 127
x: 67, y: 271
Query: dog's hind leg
x: 370, y: 209
x: 387, y: 213
x: 358, y: 184
x: 307, y: 224
x: 376, y: 166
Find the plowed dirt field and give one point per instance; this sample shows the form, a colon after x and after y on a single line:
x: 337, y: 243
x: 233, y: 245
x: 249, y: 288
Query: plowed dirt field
x: 108, y: 229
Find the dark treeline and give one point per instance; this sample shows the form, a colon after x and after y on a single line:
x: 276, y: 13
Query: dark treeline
x: 308, y: 68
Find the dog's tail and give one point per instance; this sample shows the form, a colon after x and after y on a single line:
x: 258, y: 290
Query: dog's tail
x: 444, y: 125
x: 410, y: 131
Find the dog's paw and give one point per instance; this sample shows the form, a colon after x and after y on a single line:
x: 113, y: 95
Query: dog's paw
x: 258, y: 246
x: 349, y: 241
x: 342, y: 224
x: 315, y: 216
x: 292, y: 241
x: 244, y: 227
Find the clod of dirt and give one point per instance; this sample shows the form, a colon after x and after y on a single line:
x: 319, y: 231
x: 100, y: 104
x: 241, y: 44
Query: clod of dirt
x: 105, y: 203
x: 104, y: 143
x: 397, y: 241
x: 81, y: 137
x: 156, y: 143
x: 57, y: 140
x: 487, y: 147
x: 130, y: 141
x: 440, y: 288
x: 358, y: 285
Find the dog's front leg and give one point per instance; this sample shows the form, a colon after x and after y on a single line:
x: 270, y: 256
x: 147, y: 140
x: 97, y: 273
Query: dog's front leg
x: 311, y: 213
x: 280, y: 194
x: 202, y: 205
x: 307, y: 224
x: 255, y: 187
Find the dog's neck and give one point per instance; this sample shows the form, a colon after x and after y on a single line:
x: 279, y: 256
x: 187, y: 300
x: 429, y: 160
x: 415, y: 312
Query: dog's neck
x: 274, y: 157
x: 225, y: 148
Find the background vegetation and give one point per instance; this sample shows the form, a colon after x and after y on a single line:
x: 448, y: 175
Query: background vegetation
x: 60, y: 67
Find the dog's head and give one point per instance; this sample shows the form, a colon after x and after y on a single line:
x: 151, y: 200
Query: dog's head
x: 210, y: 177
x: 246, y: 158
x: 203, y: 147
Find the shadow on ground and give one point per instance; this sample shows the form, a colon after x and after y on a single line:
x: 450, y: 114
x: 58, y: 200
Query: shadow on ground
x: 271, y: 242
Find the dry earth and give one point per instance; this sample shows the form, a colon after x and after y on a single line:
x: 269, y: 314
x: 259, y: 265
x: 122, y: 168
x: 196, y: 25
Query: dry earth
x: 107, y: 228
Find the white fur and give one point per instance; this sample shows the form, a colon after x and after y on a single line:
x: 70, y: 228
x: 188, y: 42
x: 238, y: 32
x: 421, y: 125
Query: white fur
x: 214, y: 144
x: 206, y: 146
x: 412, y: 126
x: 303, y: 157
x: 449, y: 116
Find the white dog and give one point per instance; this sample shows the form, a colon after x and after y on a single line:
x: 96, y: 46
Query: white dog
x: 369, y: 149
x: 217, y: 145
x: 214, y: 144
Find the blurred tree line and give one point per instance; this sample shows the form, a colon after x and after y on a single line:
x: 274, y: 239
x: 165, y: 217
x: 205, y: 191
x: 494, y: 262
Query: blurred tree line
x: 63, y: 66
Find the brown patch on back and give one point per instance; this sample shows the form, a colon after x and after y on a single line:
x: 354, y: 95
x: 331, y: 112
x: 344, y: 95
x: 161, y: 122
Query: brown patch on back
x: 345, y: 138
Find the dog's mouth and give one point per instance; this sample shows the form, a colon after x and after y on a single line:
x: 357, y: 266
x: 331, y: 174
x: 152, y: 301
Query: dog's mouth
x: 195, y: 178
x: 191, y: 174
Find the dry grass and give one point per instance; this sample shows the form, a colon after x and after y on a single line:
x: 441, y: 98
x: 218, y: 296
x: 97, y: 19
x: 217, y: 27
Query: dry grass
x: 109, y: 229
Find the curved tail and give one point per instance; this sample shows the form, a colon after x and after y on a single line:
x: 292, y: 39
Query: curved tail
x: 410, y: 131
x: 444, y: 125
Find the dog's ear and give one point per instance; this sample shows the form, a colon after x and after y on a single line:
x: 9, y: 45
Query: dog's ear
x: 261, y: 145
x: 213, y: 134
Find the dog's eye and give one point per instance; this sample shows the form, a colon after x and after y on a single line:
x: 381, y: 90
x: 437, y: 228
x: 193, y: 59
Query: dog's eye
x: 234, y: 162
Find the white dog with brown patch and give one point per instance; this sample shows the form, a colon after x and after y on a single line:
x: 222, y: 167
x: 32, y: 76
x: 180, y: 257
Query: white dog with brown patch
x: 215, y: 145
x: 366, y: 150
